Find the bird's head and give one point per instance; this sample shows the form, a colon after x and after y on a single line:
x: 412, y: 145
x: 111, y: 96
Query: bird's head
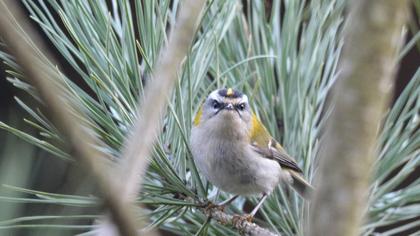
x: 225, y: 109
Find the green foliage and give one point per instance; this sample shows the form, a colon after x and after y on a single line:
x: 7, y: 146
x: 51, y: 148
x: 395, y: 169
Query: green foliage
x: 285, y: 58
x: 392, y: 200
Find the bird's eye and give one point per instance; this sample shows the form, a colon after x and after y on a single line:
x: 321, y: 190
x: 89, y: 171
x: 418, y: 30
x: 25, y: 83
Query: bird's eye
x: 216, y: 104
x: 241, y: 106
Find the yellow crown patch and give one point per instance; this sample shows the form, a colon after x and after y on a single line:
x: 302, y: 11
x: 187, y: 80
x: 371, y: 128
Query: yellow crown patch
x: 229, y: 92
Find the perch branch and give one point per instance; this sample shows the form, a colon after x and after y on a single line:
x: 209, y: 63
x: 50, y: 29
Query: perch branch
x: 372, y: 39
x: 243, y: 226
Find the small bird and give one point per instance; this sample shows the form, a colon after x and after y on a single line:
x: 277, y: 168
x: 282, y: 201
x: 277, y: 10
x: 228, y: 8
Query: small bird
x: 236, y: 153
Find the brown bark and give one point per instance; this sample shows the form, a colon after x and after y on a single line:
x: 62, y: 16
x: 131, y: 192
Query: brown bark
x: 372, y: 39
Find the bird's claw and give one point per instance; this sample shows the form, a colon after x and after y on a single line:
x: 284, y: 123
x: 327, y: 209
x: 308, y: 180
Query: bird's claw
x: 241, y: 218
x: 211, y: 206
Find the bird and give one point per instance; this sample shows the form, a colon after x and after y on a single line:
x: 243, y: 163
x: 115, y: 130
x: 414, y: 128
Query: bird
x: 235, y: 152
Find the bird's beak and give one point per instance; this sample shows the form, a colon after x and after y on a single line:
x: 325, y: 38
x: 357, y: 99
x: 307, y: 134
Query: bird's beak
x: 229, y: 106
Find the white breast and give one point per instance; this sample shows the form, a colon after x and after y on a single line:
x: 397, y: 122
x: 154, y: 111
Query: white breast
x: 231, y: 165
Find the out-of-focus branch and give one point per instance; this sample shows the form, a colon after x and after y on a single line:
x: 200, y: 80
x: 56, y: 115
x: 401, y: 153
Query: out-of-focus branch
x: 372, y: 39
x: 47, y: 81
x: 140, y: 142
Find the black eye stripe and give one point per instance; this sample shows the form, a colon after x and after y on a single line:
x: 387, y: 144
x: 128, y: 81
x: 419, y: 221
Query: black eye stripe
x: 240, y: 106
x: 217, y: 104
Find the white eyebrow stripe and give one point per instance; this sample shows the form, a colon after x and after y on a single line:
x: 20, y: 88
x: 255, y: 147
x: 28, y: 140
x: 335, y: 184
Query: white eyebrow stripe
x: 215, y: 95
x: 244, y: 98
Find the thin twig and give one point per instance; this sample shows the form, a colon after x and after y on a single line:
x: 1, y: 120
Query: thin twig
x: 368, y: 65
x: 63, y: 114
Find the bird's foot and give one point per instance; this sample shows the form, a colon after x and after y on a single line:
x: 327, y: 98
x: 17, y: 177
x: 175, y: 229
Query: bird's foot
x: 211, y: 207
x: 237, y: 219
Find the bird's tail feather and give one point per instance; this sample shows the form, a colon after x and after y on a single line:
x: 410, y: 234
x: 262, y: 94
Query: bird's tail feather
x: 301, y: 185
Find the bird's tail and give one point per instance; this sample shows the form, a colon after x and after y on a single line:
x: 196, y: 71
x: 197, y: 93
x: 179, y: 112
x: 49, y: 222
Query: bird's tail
x: 301, y: 185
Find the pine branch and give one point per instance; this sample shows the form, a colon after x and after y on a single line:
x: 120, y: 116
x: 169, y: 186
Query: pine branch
x: 243, y: 226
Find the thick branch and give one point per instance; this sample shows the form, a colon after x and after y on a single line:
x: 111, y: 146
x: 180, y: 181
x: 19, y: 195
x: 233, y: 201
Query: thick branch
x: 45, y: 78
x: 372, y: 39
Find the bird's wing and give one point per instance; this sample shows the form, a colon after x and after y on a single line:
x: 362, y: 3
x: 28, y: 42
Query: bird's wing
x: 263, y: 144
x: 266, y: 146
x: 280, y: 156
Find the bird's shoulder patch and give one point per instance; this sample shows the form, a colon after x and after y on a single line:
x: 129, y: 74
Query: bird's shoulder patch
x: 197, y: 117
x: 258, y: 133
